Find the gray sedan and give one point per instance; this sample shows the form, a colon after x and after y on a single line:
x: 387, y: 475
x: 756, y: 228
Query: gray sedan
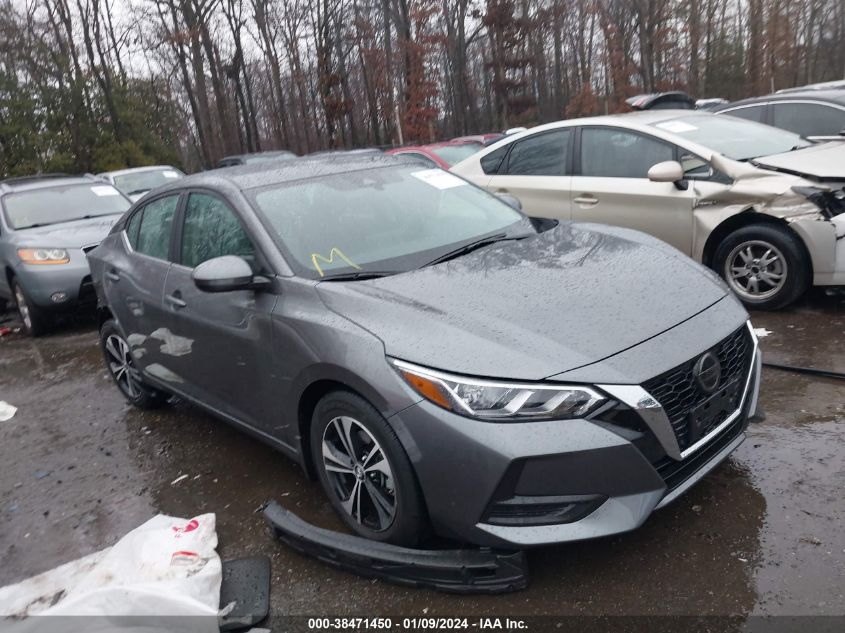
x: 47, y: 223
x: 434, y: 357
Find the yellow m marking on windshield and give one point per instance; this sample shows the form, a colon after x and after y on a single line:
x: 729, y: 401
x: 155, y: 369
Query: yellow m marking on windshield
x: 316, y: 258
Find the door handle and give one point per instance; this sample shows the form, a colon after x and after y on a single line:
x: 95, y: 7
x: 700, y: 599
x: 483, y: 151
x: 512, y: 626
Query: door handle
x: 175, y: 300
x: 112, y: 275
x: 586, y: 199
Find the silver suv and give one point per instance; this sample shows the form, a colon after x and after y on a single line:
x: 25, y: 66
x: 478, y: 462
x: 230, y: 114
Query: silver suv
x: 47, y: 224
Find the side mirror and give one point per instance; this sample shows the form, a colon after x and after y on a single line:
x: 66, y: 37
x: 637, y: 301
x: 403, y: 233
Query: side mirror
x: 225, y: 274
x: 510, y: 200
x: 668, y: 171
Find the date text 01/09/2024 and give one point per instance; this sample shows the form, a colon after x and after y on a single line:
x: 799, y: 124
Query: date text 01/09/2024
x: 424, y: 623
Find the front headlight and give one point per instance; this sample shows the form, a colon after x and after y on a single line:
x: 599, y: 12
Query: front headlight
x: 43, y: 255
x: 499, y: 401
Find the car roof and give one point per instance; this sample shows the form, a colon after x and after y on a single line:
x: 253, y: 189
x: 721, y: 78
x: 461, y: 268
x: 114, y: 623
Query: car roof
x: 262, y: 174
x: 45, y: 181
x: 272, y: 152
x: 132, y: 170
x: 836, y: 96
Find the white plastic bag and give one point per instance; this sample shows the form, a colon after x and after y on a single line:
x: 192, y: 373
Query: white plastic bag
x: 166, y: 567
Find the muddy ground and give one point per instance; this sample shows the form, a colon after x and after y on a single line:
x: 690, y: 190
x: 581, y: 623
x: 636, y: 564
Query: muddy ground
x: 763, y: 534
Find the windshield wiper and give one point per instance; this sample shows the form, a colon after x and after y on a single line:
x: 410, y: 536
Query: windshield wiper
x: 359, y: 275
x: 467, y: 248
x: 132, y: 193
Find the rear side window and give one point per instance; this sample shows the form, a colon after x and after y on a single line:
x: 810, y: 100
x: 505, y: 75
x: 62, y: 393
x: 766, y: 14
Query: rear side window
x: 491, y: 162
x: 156, y: 226
x: 808, y: 119
x: 620, y: 154
x: 750, y: 113
x: 541, y: 154
x: 212, y: 230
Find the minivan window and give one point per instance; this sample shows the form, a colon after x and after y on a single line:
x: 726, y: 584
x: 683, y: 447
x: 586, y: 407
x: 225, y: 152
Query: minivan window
x: 808, y: 119
x: 62, y: 203
x: 543, y: 154
x: 391, y: 219
x: 211, y: 230
x: 613, y: 153
x: 156, y: 224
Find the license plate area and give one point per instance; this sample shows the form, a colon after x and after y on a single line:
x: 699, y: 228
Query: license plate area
x: 707, y: 415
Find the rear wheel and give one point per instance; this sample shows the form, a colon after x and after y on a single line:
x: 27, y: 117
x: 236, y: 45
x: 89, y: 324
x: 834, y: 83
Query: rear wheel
x: 765, y: 265
x: 365, y: 471
x: 123, y: 371
x: 35, y: 320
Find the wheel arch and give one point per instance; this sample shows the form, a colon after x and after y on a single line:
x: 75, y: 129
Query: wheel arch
x: 746, y: 218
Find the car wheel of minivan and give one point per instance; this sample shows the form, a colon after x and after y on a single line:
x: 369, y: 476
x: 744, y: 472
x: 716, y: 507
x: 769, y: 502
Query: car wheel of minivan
x: 124, y: 372
x: 365, y: 471
x: 765, y: 265
x: 35, y: 320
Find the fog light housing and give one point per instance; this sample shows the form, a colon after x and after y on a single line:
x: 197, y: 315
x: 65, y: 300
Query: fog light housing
x: 526, y: 510
x: 58, y: 297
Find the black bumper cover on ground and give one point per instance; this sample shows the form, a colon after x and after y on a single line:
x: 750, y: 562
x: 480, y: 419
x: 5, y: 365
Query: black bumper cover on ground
x: 456, y: 571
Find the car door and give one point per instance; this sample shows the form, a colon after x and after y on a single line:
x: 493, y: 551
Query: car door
x: 611, y: 185
x: 536, y: 171
x: 134, y: 277
x: 217, y: 343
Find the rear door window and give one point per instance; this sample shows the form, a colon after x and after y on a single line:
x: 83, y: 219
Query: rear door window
x: 156, y: 227
x: 617, y: 153
x: 543, y: 154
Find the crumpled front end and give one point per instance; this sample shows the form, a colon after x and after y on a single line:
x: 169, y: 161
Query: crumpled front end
x: 814, y: 210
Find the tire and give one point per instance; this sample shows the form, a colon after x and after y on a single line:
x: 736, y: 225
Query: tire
x: 771, y: 258
x: 400, y: 518
x: 36, y: 321
x: 122, y: 368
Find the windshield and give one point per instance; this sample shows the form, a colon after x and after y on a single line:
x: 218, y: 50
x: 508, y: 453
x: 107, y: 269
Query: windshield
x: 52, y: 205
x: 143, y: 181
x: 391, y: 219
x: 453, y: 154
x: 735, y: 138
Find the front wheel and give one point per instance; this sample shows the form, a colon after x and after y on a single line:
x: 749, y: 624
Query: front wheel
x: 124, y: 372
x: 365, y: 471
x: 35, y: 320
x: 765, y: 265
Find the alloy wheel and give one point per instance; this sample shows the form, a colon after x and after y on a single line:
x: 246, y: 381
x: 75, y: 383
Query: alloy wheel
x: 756, y: 270
x: 23, y: 308
x: 122, y: 366
x: 359, y: 473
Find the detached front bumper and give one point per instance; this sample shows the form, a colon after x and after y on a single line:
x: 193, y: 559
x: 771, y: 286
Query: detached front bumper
x: 58, y: 287
x: 529, y: 484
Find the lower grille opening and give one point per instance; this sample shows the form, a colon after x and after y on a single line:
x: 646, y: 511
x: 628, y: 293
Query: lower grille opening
x: 674, y: 473
x: 529, y: 510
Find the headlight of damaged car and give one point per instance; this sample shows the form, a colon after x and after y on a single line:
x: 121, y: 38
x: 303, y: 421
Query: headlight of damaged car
x: 43, y: 255
x: 499, y: 401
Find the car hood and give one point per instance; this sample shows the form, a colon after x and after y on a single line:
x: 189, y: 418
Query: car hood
x: 74, y: 234
x: 533, y: 308
x: 825, y: 161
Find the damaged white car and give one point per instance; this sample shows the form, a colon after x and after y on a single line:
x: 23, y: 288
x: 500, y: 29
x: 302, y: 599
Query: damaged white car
x: 759, y: 205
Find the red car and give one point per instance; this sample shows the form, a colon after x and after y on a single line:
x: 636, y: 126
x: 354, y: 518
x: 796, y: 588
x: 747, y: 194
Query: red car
x: 442, y: 155
x: 484, y: 139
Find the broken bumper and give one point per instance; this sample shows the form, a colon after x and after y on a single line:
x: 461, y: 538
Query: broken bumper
x: 456, y: 571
